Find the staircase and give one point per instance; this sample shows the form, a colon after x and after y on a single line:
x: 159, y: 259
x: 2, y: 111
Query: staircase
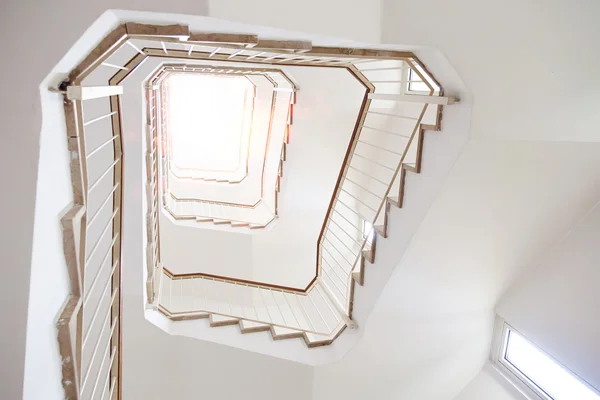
x: 265, y: 156
x: 386, y: 148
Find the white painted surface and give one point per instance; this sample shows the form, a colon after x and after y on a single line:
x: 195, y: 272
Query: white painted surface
x: 187, y: 248
x: 354, y: 19
x: 489, y: 385
x: 556, y: 304
x: 528, y: 64
x: 284, y: 254
x: 160, y: 366
x: 49, y: 285
x: 549, y: 47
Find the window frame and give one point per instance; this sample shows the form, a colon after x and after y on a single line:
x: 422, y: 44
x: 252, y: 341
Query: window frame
x: 512, y: 373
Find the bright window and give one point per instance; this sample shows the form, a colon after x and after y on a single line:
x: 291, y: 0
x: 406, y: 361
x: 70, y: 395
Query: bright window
x: 543, y: 375
x: 208, y: 119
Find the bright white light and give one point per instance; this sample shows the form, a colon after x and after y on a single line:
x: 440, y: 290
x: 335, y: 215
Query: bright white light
x: 544, y: 372
x: 208, y: 120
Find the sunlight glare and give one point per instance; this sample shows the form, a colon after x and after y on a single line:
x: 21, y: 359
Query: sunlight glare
x: 208, y: 120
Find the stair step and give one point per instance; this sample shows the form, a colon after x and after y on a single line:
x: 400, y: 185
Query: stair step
x: 393, y: 201
x: 239, y: 224
x: 369, y: 255
x: 358, y: 277
x: 314, y: 340
x: 280, y: 333
x: 189, y: 317
x: 250, y: 326
x: 221, y: 320
x: 381, y: 231
x: 220, y: 221
x: 410, y: 166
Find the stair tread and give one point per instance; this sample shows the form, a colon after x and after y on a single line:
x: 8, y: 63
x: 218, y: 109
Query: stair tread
x: 380, y: 229
x: 285, y: 333
x: 251, y: 326
x: 221, y: 320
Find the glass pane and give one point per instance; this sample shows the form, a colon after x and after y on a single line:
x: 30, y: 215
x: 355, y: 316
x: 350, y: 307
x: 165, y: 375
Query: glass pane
x: 544, y: 372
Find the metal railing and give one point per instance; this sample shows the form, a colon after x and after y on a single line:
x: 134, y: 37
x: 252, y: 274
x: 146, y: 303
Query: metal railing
x: 198, y: 296
x: 90, y: 324
x: 93, y: 327
x: 386, y: 136
x: 265, y: 210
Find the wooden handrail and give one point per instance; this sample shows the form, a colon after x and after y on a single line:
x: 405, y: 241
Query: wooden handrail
x: 280, y: 53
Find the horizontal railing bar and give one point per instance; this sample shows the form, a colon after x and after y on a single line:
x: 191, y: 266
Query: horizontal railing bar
x: 335, y: 312
x: 400, y: 81
x: 329, y: 230
x: 310, y: 323
x: 384, y: 131
x: 349, y: 208
x: 256, y: 55
x: 343, y: 230
x: 112, y: 358
x: 370, y: 176
x: 379, y: 147
x: 374, y: 162
x: 340, y: 291
x: 346, y: 219
x: 335, y: 259
x: 133, y: 46
x: 393, y: 115
x: 337, y: 250
x: 291, y: 310
x: 91, y: 220
x: 106, y: 386
x: 115, y: 66
x: 82, y: 93
x: 272, y: 57
x: 207, y: 309
x: 112, y: 272
x: 97, y: 149
x: 91, y: 121
x: 110, y: 221
x: 414, y: 98
x: 104, y: 174
x: 365, y: 189
x: 383, y: 68
x: 86, y: 336
x: 335, y: 273
x: 319, y: 312
x: 108, y: 253
x: 113, y: 385
x: 89, y: 367
x: 357, y: 199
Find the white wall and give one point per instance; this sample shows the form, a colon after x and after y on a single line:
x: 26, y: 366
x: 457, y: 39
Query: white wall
x: 489, y: 385
x: 556, y: 305
x: 27, y: 22
x: 158, y: 366
x: 348, y: 19
x: 529, y: 64
x: 49, y: 286
x: 327, y: 107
